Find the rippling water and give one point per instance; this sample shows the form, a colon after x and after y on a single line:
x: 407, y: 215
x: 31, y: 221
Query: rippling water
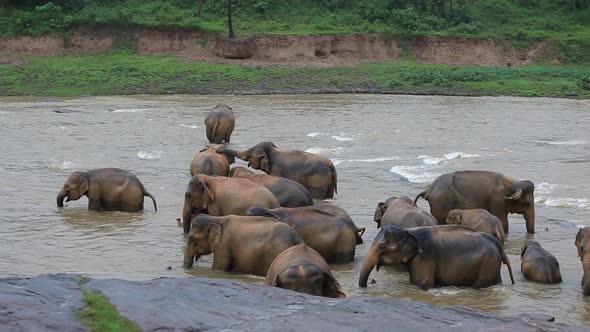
x: 372, y: 140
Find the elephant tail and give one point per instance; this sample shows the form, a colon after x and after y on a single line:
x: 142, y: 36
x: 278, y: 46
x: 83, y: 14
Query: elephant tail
x: 213, y: 131
x: 334, y: 178
x: 506, y: 261
x: 146, y: 193
x: 422, y: 194
x: 358, y: 233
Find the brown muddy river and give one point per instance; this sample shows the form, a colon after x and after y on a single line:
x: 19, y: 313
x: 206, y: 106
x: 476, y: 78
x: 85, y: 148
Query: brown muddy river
x: 370, y: 138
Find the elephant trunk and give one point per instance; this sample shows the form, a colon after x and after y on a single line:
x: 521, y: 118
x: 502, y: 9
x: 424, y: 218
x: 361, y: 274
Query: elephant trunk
x: 189, y: 258
x: 529, y: 217
x: 61, y: 196
x: 186, y: 217
x: 586, y: 277
x: 371, y: 260
x: 244, y: 155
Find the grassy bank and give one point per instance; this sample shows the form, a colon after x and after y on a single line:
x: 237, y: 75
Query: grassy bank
x: 100, y: 315
x: 127, y: 73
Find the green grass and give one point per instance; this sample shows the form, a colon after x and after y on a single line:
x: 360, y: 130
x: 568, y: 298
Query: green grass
x: 128, y: 73
x: 100, y: 315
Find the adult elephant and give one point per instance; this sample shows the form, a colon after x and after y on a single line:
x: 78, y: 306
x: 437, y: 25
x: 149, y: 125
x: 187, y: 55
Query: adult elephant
x: 316, y: 173
x: 479, y: 220
x: 107, y: 189
x: 583, y: 245
x: 437, y: 256
x: 220, y: 196
x: 328, y: 234
x: 491, y: 191
x: 238, y: 243
x: 288, y: 193
x: 400, y: 211
x: 219, y: 124
x: 303, y: 270
x: 209, y: 162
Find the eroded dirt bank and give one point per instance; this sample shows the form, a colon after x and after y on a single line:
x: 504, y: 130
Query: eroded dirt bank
x: 290, y: 50
x: 51, y: 303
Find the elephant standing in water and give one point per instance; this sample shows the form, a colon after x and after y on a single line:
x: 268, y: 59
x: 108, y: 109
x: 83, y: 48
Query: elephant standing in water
x: 437, y: 256
x: 288, y: 193
x: 219, y: 124
x: 303, y: 270
x: 238, y: 243
x: 491, y: 191
x: 479, y: 220
x: 403, y: 213
x: 221, y: 196
x: 108, y: 189
x: 538, y: 264
x: 316, y: 173
x: 209, y: 162
x: 583, y: 245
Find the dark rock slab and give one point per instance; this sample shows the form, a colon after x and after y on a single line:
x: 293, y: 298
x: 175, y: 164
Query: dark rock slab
x: 196, y: 304
x: 45, y: 303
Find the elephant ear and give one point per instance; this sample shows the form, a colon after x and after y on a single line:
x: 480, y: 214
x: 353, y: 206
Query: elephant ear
x: 215, y: 232
x: 264, y: 163
x: 379, y: 212
x: 332, y: 287
x: 207, y: 196
x: 515, y: 192
x: 578, y: 243
x: 83, y: 184
x: 409, y: 247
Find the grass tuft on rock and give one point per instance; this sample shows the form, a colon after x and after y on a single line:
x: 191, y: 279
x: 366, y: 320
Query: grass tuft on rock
x: 100, y: 315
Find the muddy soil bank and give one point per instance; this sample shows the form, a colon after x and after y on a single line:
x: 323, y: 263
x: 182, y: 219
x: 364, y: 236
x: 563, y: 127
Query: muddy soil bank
x: 51, y: 303
x: 287, y: 50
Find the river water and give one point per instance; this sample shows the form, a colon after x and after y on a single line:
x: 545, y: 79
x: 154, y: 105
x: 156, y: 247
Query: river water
x: 372, y: 139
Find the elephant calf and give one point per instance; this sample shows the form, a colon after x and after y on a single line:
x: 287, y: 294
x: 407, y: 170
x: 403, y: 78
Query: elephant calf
x: 219, y: 124
x: 330, y: 235
x: 209, y: 162
x: 238, y: 243
x: 303, y: 270
x: 446, y: 255
x: 538, y: 264
x: 479, y: 220
x: 107, y: 189
x: 288, y: 193
x: 403, y: 213
x: 583, y: 245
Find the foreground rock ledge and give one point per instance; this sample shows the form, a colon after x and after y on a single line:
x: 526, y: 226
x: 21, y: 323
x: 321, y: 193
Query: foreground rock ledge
x: 50, y: 303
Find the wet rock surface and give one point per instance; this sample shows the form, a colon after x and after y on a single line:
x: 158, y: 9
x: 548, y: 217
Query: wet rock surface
x: 50, y: 303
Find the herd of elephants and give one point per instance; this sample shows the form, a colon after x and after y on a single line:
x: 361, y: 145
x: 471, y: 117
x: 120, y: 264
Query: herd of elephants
x: 275, y: 223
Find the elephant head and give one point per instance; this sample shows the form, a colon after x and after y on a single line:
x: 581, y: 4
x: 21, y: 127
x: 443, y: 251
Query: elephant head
x: 520, y: 199
x: 258, y: 156
x: 75, y: 187
x: 583, y: 245
x: 379, y: 212
x: 240, y: 172
x: 392, y: 246
x: 454, y: 217
x: 308, y: 278
x: 202, y: 239
x: 197, y: 198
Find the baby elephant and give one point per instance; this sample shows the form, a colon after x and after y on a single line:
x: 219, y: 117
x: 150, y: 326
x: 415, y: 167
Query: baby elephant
x: 402, y: 212
x: 108, y: 189
x: 583, y: 245
x: 538, y: 264
x: 303, y: 270
x: 478, y: 219
x: 219, y: 124
x: 209, y: 162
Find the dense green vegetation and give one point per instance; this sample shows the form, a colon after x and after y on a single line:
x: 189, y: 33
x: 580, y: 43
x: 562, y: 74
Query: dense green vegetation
x: 127, y: 73
x: 100, y: 315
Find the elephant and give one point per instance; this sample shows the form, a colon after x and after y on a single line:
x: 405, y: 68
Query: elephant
x: 221, y: 196
x: 107, y: 189
x: 209, y: 162
x: 328, y: 234
x: 491, y: 191
x: 288, y: 193
x: 443, y: 255
x: 316, y: 173
x: 238, y: 243
x: 400, y: 211
x: 303, y: 270
x: 219, y: 124
x: 479, y: 220
x: 538, y: 264
x: 583, y: 245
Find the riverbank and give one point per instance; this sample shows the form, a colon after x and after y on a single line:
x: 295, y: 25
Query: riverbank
x: 56, y: 303
x: 127, y: 73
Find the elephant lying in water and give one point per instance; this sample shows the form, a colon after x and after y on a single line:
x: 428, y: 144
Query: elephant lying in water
x: 316, y: 173
x: 209, y: 162
x: 303, y: 270
x: 288, y: 193
x: 437, y: 256
x: 238, y: 243
x: 403, y: 213
x: 479, y: 220
x: 538, y: 264
x: 219, y: 124
x: 492, y: 191
x: 108, y: 189
x: 220, y: 196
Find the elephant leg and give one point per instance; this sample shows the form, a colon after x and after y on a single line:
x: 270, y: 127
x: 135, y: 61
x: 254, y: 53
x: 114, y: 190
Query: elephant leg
x: 94, y: 204
x: 222, y: 260
x: 227, y: 138
x: 422, y: 275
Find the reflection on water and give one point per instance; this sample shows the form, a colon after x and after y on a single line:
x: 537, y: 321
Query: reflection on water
x: 377, y: 142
